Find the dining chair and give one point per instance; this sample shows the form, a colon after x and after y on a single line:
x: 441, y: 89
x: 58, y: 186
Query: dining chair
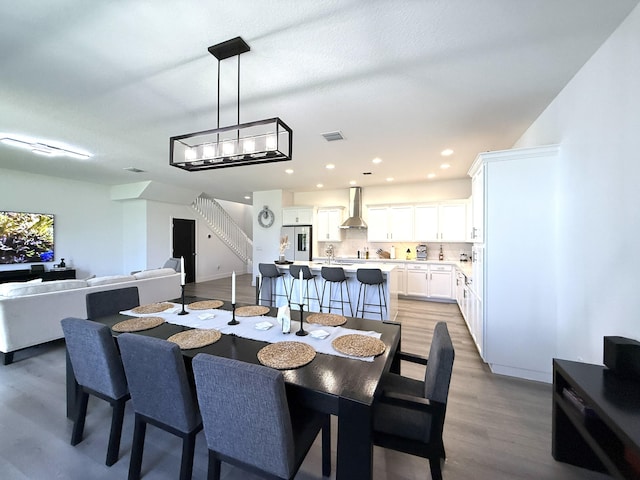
x: 110, y: 302
x: 408, y: 414
x: 249, y: 423
x: 98, y: 370
x: 161, y: 396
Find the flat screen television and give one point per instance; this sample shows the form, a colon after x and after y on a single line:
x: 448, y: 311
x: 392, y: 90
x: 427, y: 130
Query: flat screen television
x: 26, y: 237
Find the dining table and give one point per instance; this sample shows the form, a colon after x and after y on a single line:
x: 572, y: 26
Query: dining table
x: 336, y: 385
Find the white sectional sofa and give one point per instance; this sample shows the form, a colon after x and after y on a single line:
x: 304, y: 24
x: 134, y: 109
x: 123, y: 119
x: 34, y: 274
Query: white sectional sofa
x: 30, y: 312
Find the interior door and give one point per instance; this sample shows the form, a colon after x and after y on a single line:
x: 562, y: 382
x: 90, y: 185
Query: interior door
x: 184, y: 245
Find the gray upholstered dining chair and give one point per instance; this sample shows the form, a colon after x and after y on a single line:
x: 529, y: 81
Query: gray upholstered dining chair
x: 161, y: 395
x: 408, y: 414
x: 110, y: 302
x: 98, y: 370
x: 249, y: 423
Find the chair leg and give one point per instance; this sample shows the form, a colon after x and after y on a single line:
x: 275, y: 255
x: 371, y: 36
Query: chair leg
x: 137, y: 448
x: 116, y: 431
x: 346, y: 286
x: 326, y: 447
x: 81, y: 413
x: 188, y: 448
x: 213, y: 472
x: 436, y: 468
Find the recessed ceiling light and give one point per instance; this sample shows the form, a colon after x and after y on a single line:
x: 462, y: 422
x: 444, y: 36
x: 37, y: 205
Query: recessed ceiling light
x: 447, y: 152
x: 330, y: 166
x: 431, y: 175
x: 352, y: 182
x: 42, y: 147
x: 288, y: 171
x: 389, y: 179
x: 247, y: 197
x: 319, y: 185
x: 444, y: 166
x: 377, y: 160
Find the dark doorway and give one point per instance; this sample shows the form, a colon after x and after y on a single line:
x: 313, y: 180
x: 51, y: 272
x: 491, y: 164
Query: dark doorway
x: 184, y: 245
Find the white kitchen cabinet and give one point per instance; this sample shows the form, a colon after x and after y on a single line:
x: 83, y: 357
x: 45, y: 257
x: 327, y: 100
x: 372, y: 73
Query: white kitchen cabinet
x: 441, y: 222
x: 388, y: 223
x: 515, y: 302
x: 297, y: 216
x: 401, y: 275
x: 329, y: 221
x: 417, y: 280
x: 459, y: 287
x: 477, y: 205
x: 432, y: 281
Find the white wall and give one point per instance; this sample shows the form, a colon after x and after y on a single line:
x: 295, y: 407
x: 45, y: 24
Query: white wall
x: 596, y: 120
x: 88, y: 225
x: 266, y: 241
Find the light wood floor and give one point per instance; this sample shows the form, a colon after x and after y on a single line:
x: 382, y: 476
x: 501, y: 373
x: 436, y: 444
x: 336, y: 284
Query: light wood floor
x: 496, y: 427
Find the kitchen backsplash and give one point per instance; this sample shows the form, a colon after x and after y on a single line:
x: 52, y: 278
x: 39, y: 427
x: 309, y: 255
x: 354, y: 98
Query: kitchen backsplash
x: 356, y: 240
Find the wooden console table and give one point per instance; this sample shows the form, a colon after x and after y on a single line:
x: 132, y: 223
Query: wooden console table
x: 604, y: 433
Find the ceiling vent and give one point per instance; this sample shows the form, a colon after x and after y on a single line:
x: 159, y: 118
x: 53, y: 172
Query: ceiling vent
x: 333, y: 136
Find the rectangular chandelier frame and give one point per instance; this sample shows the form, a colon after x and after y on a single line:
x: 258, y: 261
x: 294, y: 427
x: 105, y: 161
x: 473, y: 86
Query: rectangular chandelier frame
x: 252, y: 143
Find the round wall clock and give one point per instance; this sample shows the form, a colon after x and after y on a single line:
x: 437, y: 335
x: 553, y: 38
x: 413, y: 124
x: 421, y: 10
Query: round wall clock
x: 266, y: 217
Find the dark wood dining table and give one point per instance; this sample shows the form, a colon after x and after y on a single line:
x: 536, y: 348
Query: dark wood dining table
x: 339, y: 386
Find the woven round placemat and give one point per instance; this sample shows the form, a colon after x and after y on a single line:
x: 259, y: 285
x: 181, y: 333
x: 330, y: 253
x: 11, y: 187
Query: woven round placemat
x: 195, y: 338
x: 285, y: 355
x: 152, y: 308
x: 252, y: 311
x: 328, y: 319
x: 137, y: 324
x: 205, y: 304
x: 358, y: 345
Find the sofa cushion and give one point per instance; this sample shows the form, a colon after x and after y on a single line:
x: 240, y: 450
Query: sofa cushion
x: 108, y: 280
x: 44, y: 287
x: 158, y: 272
x: 5, y: 287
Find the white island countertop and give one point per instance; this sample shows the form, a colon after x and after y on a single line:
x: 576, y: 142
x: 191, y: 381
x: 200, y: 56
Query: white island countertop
x: 316, y: 265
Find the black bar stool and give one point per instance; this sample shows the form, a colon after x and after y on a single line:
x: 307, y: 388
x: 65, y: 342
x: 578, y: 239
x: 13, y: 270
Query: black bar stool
x: 333, y: 275
x: 371, y: 277
x: 270, y: 272
x: 295, y: 270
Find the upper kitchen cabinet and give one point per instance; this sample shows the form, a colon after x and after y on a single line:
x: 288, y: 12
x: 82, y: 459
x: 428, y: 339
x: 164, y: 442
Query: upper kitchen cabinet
x: 390, y: 223
x: 441, y: 222
x: 477, y: 204
x: 329, y: 221
x: 297, y: 216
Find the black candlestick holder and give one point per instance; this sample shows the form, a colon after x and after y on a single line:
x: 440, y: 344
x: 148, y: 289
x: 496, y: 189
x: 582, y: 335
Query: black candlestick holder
x: 233, y: 320
x: 301, y: 332
x: 183, y: 312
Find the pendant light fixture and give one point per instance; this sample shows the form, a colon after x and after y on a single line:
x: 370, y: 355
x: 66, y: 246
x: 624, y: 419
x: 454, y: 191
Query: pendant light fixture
x: 262, y: 141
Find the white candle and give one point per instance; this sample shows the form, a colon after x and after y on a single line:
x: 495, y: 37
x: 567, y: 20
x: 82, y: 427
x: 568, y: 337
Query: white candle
x: 233, y: 288
x: 183, y: 275
x: 300, y: 278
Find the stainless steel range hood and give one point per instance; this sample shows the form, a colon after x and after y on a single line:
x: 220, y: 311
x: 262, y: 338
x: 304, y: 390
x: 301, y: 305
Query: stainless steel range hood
x: 355, y: 210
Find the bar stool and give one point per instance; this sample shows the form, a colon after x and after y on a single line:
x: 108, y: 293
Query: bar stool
x: 371, y: 277
x: 295, y: 270
x: 270, y: 272
x: 333, y: 275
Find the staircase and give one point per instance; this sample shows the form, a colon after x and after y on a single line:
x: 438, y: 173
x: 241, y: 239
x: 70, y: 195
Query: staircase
x: 224, y: 227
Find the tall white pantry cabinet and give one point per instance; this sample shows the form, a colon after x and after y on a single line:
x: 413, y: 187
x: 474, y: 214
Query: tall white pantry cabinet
x: 514, y: 200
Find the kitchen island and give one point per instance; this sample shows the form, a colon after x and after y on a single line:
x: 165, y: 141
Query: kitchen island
x: 390, y: 287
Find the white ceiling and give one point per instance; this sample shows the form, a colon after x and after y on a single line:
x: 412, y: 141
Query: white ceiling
x: 401, y: 79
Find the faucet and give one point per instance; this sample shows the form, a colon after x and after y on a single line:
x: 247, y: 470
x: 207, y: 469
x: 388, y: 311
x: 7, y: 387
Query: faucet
x: 329, y: 252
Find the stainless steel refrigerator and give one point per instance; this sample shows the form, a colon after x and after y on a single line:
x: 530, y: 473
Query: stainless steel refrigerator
x: 300, y: 242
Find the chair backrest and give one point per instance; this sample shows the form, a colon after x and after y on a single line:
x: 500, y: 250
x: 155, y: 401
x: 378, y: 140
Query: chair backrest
x: 245, y: 412
x: 268, y: 270
x: 333, y: 274
x: 294, y: 270
x: 437, y: 376
x: 172, y: 263
x: 110, y: 302
x: 94, y: 357
x: 158, y: 381
x: 370, y: 276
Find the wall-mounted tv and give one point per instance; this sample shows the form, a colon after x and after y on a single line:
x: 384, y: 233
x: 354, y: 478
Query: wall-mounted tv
x: 26, y: 237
